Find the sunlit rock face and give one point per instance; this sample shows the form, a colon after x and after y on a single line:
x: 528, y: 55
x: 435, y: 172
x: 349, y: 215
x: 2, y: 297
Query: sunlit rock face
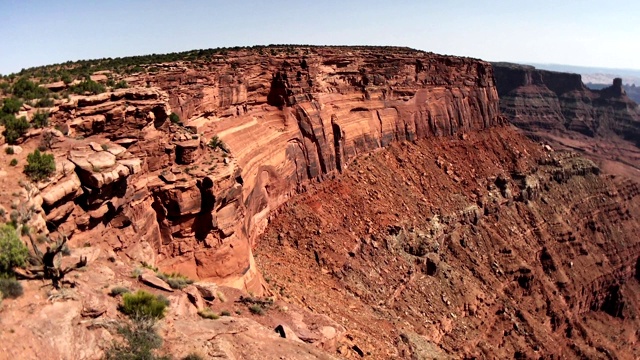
x: 283, y: 119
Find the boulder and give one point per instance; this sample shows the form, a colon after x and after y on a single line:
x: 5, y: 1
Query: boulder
x: 285, y: 332
x: 67, y: 186
x: 208, y: 290
x: 168, y: 177
x: 94, y: 305
x: 154, y: 281
x: 194, y: 296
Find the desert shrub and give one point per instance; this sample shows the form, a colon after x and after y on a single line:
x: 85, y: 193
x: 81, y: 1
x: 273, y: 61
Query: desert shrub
x: 175, y: 280
x: 177, y: 283
x: 14, y: 216
x: 208, y: 314
x: 88, y: 86
x: 256, y: 309
x: 11, y: 105
x: 4, y: 88
x: 10, y: 288
x: 13, y: 252
x: 140, y: 340
x: 15, y: 128
x: 44, y: 102
x: 119, y: 290
x: 66, y: 78
x: 164, y: 299
x: 143, y: 305
x: 39, y: 165
x: 28, y: 90
x: 149, y: 266
x: 40, y: 119
x: 121, y: 85
x: 215, y: 142
x: 225, y: 313
x: 9, y: 150
x: 174, y: 118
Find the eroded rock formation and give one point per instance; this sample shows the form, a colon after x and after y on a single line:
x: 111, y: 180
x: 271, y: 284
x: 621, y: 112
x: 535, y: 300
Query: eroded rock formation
x: 157, y: 192
x: 467, y: 240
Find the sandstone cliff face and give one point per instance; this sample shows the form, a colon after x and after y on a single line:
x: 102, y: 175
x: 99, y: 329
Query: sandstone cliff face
x: 462, y: 241
x: 538, y: 99
x: 156, y: 192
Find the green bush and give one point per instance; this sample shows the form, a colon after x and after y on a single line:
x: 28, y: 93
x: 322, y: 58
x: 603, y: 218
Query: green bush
x: 10, y: 288
x: 13, y: 162
x: 143, y: 305
x: 140, y: 341
x: 88, y: 86
x: 215, y: 142
x: 174, y: 118
x: 40, y: 166
x: 119, y: 290
x: 4, y: 88
x: 66, y: 78
x: 40, y: 119
x: 45, y: 102
x: 13, y: 252
x: 225, y: 313
x: 9, y: 150
x: 28, y: 90
x: 208, y: 314
x: 15, y: 128
x: 256, y: 309
x: 121, y: 85
x: 175, y: 280
x: 11, y: 105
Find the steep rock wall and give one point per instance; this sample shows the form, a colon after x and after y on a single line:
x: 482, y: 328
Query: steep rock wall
x: 538, y: 99
x: 283, y: 120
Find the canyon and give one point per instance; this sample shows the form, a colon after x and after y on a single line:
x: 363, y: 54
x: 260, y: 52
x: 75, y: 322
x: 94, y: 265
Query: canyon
x: 379, y: 195
x: 559, y: 109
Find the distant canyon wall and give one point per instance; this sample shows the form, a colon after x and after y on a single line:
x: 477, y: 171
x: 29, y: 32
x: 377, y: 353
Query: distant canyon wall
x: 536, y: 99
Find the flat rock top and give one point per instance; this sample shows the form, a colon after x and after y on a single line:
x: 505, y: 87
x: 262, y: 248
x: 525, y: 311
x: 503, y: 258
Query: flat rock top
x: 102, y: 159
x: 189, y: 144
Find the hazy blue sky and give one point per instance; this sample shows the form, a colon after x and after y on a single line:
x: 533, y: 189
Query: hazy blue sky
x: 603, y: 33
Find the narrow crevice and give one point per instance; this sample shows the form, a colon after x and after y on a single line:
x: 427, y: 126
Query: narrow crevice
x: 337, y: 140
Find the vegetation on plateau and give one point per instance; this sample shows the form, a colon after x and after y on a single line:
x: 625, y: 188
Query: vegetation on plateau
x: 39, y: 165
x: 138, y: 337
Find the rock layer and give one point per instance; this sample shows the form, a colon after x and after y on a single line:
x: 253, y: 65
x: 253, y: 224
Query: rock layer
x: 281, y: 121
x: 546, y: 100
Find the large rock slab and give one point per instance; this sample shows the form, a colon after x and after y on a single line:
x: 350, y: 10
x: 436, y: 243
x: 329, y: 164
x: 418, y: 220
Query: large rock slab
x: 154, y: 281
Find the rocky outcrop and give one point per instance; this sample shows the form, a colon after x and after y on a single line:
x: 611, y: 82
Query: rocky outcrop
x: 256, y: 129
x: 121, y: 114
x: 536, y: 99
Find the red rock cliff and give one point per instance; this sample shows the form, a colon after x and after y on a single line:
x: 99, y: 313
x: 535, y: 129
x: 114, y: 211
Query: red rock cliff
x: 538, y: 99
x: 283, y: 119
